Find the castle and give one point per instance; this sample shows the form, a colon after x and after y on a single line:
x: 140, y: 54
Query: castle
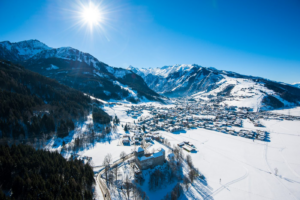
x: 145, y: 161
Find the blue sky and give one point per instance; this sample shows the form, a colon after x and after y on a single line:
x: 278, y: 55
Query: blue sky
x: 255, y: 37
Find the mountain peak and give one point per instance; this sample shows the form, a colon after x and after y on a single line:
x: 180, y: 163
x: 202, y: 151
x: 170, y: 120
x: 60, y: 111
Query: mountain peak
x: 25, y: 49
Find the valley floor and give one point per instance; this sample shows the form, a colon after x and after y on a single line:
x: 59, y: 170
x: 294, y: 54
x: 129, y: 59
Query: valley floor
x: 246, y: 168
x: 234, y: 167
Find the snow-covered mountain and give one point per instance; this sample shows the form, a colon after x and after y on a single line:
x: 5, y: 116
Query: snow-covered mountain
x: 209, y: 83
x: 21, y: 51
x: 78, y: 70
x: 296, y: 84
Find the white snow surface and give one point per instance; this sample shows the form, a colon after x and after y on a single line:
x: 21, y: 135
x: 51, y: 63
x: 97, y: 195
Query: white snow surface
x: 132, y: 93
x: 161, y: 71
x: 245, y: 167
x: 289, y: 111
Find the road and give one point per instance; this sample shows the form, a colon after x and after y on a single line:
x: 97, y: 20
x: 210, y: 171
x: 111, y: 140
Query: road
x: 101, y: 182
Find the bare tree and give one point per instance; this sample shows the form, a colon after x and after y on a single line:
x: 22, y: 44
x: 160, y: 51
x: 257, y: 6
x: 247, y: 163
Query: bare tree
x: 107, y: 159
x: 115, y: 170
x: 186, y: 182
x: 110, y: 178
x: 122, y: 155
x: 106, y: 171
x: 106, y: 163
x: 178, y: 154
x: 127, y: 186
x: 189, y: 161
x: 193, y: 174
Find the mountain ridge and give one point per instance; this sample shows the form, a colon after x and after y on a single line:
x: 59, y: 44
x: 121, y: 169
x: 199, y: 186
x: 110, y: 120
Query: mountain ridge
x: 79, y: 70
x: 201, y: 82
x: 296, y: 84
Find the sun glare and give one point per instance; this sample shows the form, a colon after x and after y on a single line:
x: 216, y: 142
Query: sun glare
x: 91, y: 14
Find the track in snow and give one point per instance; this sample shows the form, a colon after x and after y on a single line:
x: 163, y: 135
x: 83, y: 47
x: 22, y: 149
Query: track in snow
x: 276, y: 177
x: 228, y: 184
x: 287, y: 164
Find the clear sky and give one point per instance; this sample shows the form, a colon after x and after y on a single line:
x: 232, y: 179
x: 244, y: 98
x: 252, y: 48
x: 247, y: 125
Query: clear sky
x: 253, y: 37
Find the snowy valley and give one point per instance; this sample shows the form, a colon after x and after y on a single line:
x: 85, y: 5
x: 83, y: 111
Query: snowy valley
x: 237, y: 153
x: 175, y: 132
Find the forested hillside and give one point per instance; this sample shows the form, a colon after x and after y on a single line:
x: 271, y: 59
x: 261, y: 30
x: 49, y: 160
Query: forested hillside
x: 78, y: 70
x: 33, y: 105
x: 26, y: 173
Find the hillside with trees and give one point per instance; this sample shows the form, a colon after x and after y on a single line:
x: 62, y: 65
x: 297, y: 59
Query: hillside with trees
x: 33, y: 105
x: 26, y: 173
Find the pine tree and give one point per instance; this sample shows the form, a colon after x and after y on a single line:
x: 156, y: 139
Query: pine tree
x: 144, y: 129
x: 126, y: 128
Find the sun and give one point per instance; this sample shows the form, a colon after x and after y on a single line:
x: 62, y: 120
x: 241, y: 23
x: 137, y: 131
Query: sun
x: 91, y: 14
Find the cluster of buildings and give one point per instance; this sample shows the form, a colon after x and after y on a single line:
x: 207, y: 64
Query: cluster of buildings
x: 211, y: 116
x: 138, y: 137
x: 186, y: 115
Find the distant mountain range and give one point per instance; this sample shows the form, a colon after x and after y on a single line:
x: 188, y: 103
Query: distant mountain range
x: 235, y: 89
x: 78, y: 70
x: 84, y: 72
x: 296, y: 85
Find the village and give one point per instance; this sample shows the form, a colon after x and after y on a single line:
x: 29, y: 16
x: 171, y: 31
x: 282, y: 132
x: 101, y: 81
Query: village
x: 190, y: 115
x: 152, y: 126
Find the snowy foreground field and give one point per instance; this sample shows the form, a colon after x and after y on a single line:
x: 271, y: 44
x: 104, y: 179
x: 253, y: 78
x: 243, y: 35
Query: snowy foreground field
x: 234, y: 167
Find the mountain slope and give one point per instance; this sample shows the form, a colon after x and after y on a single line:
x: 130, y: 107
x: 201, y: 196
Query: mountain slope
x: 179, y: 80
x: 210, y: 83
x: 33, y: 105
x: 78, y: 70
x: 296, y: 85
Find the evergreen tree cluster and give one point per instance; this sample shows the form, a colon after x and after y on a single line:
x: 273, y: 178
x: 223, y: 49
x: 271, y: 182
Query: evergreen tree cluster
x: 27, y: 173
x: 99, y: 116
x: 64, y: 127
x: 116, y: 120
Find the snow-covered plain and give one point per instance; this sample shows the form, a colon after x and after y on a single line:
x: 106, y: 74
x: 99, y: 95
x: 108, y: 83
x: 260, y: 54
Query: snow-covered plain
x: 289, y: 111
x: 234, y: 167
x: 246, y: 167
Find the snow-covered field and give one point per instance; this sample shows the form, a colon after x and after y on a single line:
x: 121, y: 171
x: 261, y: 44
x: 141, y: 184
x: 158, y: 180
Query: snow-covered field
x: 234, y: 167
x: 292, y: 111
x: 246, y: 168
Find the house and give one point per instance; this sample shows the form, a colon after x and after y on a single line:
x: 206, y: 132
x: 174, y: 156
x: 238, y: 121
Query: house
x: 188, y: 148
x: 147, y: 139
x: 156, y: 137
x: 175, y: 128
x: 180, y: 144
x: 125, y: 141
x: 145, y: 161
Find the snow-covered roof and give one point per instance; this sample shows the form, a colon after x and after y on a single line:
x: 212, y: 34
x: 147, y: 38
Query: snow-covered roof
x: 154, y: 155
